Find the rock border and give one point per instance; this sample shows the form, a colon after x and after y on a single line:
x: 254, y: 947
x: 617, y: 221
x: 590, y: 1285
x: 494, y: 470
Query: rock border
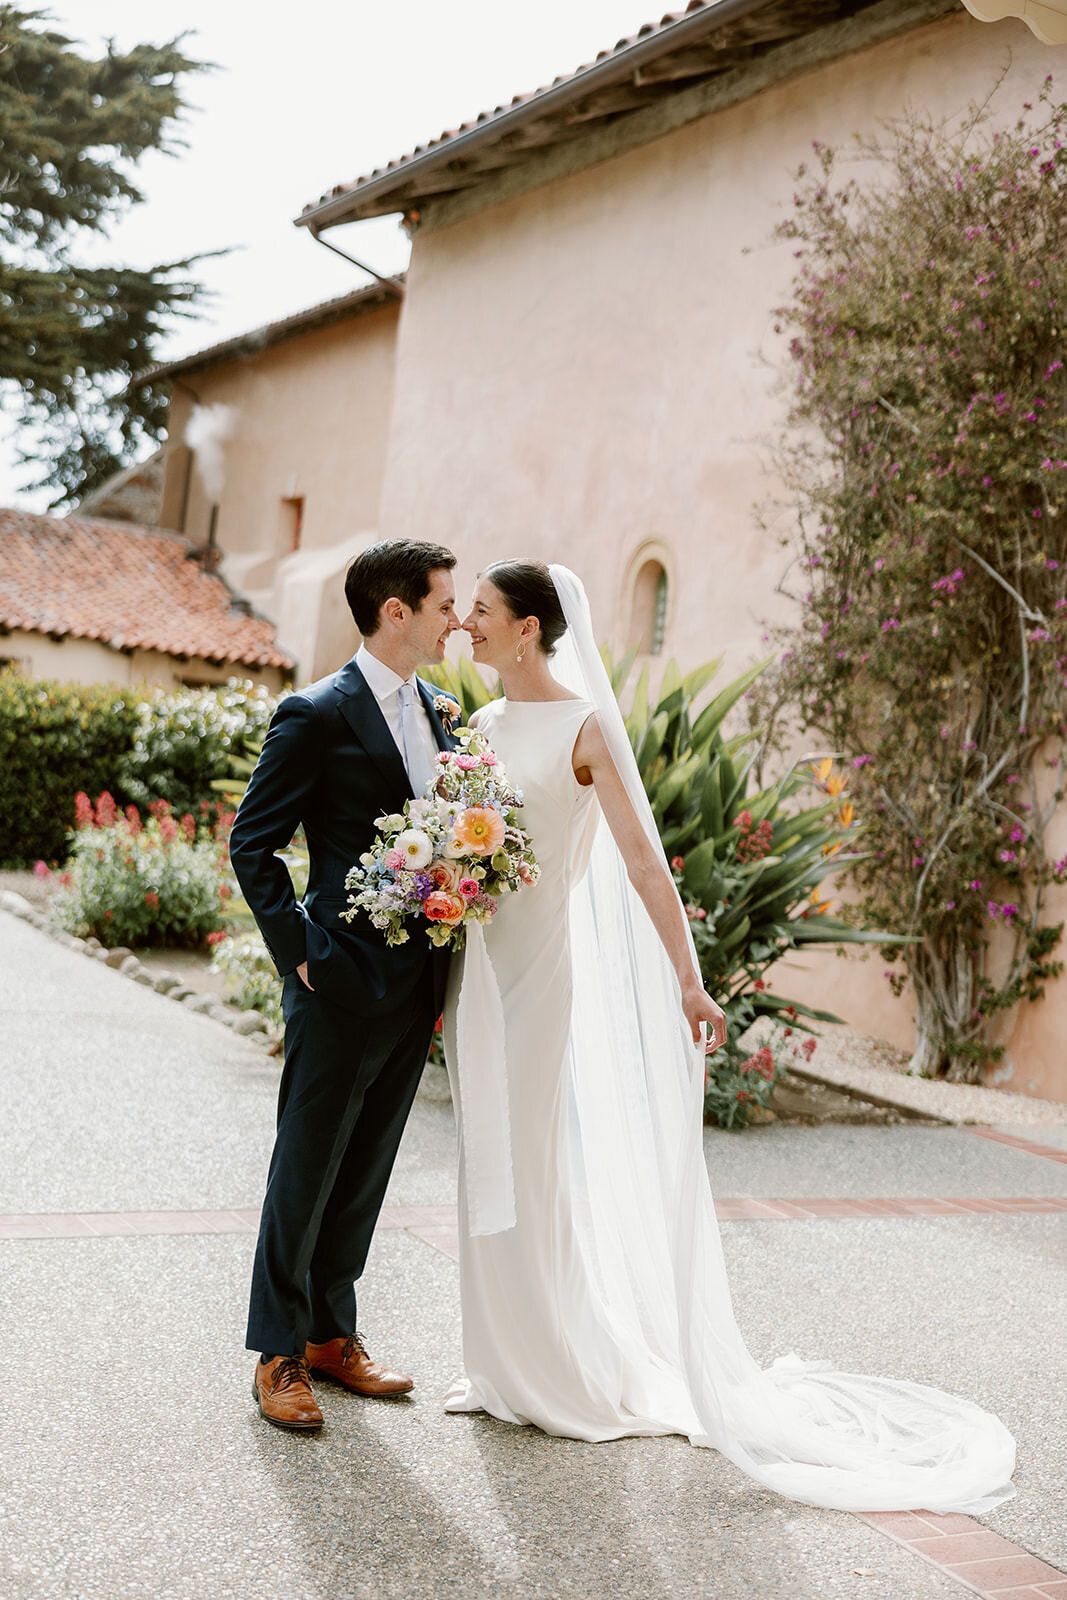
x: 251, y: 1025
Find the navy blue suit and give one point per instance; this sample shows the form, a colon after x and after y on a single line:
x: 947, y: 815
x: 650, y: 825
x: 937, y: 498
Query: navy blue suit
x: 356, y: 1042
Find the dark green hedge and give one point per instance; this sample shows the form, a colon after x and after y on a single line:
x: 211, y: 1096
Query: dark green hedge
x: 55, y: 738
x: 140, y: 744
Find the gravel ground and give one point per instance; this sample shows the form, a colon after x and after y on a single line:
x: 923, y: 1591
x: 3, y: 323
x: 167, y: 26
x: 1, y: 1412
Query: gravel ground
x: 871, y: 1066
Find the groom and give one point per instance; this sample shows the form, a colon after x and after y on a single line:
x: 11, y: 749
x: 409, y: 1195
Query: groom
x: 359, y: 1015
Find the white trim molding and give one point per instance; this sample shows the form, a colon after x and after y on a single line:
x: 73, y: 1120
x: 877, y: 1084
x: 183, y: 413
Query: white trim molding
x: 1046, y: 18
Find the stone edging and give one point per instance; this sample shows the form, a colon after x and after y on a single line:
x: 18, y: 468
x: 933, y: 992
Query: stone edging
x: 251, y: 1025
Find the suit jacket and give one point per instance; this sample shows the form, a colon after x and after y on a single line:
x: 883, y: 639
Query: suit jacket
x: 330, y: 762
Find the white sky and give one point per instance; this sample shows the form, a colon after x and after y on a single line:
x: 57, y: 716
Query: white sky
x: 308, y: 94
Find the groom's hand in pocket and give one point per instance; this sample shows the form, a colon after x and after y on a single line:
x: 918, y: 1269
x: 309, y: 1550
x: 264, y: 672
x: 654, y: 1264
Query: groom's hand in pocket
x: 302, y: 970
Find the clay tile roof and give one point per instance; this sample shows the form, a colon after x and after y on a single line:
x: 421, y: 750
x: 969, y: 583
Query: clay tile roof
x: 705, y: 40
x: 129, y: 587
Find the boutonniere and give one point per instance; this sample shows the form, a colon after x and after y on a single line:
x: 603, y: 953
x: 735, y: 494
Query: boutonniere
x: 448, y: 711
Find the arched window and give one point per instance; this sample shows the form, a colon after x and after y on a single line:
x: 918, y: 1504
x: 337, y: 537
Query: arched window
x: 648, y: 620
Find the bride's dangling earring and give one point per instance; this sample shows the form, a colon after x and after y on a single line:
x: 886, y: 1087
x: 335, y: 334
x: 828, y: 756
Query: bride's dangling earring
x: 519, y: 655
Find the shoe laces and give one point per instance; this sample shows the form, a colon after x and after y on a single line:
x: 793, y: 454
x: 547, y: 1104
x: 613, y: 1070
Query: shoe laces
x: 353, y: 1343
x: 293, y: 1370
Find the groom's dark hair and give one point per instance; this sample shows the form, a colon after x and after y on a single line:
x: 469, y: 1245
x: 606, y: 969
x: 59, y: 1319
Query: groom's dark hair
x: 396, y: 567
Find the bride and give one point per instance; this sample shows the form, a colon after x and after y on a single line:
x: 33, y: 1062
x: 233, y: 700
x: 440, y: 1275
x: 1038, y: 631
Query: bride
x: 594, y: 1294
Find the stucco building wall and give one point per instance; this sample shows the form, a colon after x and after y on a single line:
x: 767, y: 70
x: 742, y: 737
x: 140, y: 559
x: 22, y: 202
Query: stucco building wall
x: 72, y: 660
x: 310, y: 424
x: 588, y: 371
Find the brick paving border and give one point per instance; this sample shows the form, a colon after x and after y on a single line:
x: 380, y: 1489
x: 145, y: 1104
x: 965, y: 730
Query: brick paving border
x: 962, y: 1549
x: 1031, y: 1146
x: 437, y: 1224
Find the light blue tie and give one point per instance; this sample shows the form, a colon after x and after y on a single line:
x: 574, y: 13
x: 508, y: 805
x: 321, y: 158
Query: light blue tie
x: 416, y: 757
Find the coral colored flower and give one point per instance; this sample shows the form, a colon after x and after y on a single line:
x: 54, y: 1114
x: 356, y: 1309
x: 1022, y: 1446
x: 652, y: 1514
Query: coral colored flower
x: 480, y: 830
x: 677, y: 863
x: 151, y: 899
x: 442, y: 907
x: 83, y: 810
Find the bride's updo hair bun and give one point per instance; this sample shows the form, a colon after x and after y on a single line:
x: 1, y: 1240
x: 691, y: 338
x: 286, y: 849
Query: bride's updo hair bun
x: 528, y: 591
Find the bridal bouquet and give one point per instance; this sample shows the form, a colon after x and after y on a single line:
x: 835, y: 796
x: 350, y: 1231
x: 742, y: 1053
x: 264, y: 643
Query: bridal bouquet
x: 449, y: 855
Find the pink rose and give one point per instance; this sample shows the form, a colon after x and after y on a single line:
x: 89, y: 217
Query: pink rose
x: 444, y: 875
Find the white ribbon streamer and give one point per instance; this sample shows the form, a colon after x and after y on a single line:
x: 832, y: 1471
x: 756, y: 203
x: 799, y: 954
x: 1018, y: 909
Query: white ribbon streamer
x: 483, y: 1092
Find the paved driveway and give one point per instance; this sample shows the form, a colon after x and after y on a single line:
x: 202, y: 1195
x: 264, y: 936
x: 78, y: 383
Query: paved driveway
x: 134, y: 1139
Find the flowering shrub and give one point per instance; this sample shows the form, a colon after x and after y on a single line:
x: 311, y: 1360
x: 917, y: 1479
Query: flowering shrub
x: 930, y: 480
x: 252, y: 980
x: 186, y: 740
x: 159, y: 882
x: 734, y: 1087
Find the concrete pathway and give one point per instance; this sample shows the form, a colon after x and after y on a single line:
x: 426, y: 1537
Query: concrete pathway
x: 134, y: 1138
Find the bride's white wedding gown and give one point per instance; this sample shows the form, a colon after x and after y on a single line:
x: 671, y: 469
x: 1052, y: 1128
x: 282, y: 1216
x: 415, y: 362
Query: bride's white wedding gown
x: 605, y: 1310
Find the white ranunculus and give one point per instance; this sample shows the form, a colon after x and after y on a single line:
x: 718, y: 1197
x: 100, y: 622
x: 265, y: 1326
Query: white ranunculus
x: 451, y: 849
x: 415, y: 847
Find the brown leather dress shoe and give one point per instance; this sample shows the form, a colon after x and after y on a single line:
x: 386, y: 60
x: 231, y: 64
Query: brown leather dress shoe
x: 346, y: 1361
x: 282, y: 1390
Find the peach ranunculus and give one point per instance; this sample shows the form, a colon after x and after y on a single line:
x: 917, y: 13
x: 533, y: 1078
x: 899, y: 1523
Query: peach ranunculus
x: 479, y: 830
x: 445, y: 875
x: 441, y: 906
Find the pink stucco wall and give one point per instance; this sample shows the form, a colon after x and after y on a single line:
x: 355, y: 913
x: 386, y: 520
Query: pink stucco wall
x: 591, y: 367
x: 311, y: 421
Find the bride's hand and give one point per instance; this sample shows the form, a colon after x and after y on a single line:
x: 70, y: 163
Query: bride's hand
x: 700, y: 1007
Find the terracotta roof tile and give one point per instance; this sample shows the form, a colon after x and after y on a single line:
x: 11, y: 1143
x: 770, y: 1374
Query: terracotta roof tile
x: 128, y: 586
x: 646, y: 30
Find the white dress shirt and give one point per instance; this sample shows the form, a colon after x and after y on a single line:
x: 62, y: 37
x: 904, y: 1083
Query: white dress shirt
x: 383, y: 683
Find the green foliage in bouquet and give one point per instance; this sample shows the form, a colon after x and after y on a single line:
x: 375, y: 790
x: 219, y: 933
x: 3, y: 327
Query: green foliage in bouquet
x: 160, y: 882
x: 928, y: 476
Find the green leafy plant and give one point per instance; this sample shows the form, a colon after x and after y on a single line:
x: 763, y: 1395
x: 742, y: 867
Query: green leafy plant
x: 55, y: 738
x: 463, y: 682
x: 928, y: 471
x: 73, y: 334
x: 750, y: 862
x: 160, y: 882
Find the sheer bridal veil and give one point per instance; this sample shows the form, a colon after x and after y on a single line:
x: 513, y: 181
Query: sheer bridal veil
x: 647, y: 1224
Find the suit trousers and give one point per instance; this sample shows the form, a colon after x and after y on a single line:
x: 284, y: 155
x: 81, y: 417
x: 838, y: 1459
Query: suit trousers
x: 345, y: 1094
